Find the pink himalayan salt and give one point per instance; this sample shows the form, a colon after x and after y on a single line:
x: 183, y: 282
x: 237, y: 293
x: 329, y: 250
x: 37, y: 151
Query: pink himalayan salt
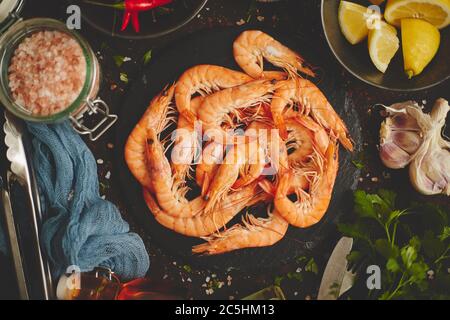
x: 47, y: 72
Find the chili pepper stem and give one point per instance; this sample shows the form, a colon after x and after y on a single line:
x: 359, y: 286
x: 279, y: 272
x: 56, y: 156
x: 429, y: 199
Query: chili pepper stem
x: 120, y: 5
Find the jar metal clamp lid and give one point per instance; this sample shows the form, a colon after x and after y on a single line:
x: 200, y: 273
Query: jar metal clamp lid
x: 94, y: 107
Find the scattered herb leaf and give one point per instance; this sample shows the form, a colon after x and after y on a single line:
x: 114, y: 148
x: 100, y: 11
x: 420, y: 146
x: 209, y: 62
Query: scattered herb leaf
x: 119, y: 60
x: 295, y: 275
x: 358, y: 164
x: 147, y: 56
x: 277, y: 281
x: 123, y: 77
x: 251, y: 10
x: 187, y: 268
x: 311, y: 266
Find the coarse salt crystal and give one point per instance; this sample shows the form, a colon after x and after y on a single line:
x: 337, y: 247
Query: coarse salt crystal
x: 47, y: 72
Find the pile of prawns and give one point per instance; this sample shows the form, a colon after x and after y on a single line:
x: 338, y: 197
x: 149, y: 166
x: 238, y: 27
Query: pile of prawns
x: 305, y: 148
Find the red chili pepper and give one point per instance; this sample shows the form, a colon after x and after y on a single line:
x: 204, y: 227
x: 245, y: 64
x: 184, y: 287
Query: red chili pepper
x: 132, y: 8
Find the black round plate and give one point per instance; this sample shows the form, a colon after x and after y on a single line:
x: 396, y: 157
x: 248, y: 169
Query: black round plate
x: 356, y: 59
x: 154, y: 23
x: 215, y: 47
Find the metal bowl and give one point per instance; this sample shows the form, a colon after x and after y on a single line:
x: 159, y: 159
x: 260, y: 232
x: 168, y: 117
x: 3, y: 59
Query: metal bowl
x: 355, y: 58
x: 154, y: 23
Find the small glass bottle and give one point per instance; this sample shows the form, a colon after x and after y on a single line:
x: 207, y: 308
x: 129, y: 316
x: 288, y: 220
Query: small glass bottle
x: 103, y: 284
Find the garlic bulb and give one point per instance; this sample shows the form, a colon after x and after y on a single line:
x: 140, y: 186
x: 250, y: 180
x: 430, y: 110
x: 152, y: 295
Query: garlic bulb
x: 400, y: 135
x: 430, y: 168
x: 410, y: 136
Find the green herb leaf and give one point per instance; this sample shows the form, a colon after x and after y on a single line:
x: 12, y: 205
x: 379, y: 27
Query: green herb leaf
x: 364, y: 204
x: 418, y: 271
x: 388, y: 197
x: 445, y: 233
x: 354, y: 231
x: 277, y: 281
x: 354, y: 257
x: 123, y: 77
x: 295, y: 275
x: 358, y: 164
x: 384, y: 248
x: 311, y: 266
x: 392, y: 265
x: 251, y: 10
x: 147, y: 56
x: 380, y: 231
x: 119, y: 60
x: 187, y: 268
x: 433, y: 246
x: 409, y: 255
x: 415, y: 243
x: 301, y: 259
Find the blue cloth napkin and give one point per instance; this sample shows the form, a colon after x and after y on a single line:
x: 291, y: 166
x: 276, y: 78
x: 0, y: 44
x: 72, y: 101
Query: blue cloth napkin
x: 82, y: 228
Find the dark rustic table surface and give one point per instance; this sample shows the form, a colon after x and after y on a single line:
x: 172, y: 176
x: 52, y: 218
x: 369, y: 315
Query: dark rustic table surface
x: 286, y: 16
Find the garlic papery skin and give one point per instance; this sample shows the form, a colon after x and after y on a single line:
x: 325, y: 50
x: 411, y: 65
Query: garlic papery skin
x: 400, y: 135
x: 430, y: 169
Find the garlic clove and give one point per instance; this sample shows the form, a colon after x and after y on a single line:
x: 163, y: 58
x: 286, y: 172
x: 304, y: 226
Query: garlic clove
x: 397, y: 147
x: 408, y: 141
x: 432, y: 175
x: 393, y: 156
x: 402, y: 121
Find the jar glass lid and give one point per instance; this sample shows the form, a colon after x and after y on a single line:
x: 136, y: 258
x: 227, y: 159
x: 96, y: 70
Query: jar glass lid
x: 9, y: 13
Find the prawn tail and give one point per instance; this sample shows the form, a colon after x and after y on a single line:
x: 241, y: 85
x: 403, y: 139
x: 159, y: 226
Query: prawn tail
x: 226, y: 241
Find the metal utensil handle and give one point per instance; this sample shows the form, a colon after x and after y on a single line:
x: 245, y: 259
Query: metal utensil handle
x: 13, y: 240
x: 97, y: 106
x: 19, y: 152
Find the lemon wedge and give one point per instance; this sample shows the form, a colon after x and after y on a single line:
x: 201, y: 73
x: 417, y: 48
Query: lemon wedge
x: 352, y: 21
x: 383, y: 44
x: 420, y: 42
x: 436, y: 12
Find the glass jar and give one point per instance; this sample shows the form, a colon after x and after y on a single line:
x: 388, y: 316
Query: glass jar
x: 88, y: 114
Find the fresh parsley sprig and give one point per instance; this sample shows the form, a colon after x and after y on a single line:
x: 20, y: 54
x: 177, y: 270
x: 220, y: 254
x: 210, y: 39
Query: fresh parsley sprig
x: 410, y: 246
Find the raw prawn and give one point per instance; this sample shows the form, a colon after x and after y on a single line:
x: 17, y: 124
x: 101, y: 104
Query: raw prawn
x: 185, y: 145
x: 216, y: 106
x: 311, y: 206
x: 255, y: 232
x: 313, y: 102
x: 212, y: 156
x: 252, y: 46
x: 170, y: 198
x: 156, y: 116
x: 274, y: 149
x: 204, y: 79
x: 205, y: 224
x: 228, y: 172
x: 304, y: 136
